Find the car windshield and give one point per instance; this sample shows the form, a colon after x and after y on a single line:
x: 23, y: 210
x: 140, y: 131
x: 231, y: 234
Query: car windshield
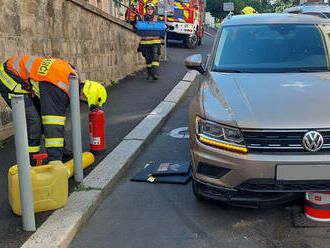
x: 272, y: 48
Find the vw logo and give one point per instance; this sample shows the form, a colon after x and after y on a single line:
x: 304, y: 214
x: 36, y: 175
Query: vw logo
x: 312, y: 141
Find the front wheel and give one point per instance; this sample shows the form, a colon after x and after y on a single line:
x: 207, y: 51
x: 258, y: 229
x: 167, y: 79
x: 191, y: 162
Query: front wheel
x: 190, y: 41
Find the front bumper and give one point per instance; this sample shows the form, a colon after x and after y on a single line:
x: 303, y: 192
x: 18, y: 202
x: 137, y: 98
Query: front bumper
x: 252, y: 172
x: 243, y: 198
x: 181, y: 28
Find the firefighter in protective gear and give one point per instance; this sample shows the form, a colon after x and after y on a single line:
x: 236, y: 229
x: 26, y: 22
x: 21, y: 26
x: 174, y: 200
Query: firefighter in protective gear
x: 45, y: 83
x: 248, y: 10
x: 150, y: 46
x: 131, y: 15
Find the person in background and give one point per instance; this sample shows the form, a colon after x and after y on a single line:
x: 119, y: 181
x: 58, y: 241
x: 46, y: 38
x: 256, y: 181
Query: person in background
x: 131, y: 14
x: 150, y: 46
x: 248, y: 10
x: 44, y: 83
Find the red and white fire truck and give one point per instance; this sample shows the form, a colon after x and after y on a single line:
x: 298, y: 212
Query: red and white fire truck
x: 184, y: 19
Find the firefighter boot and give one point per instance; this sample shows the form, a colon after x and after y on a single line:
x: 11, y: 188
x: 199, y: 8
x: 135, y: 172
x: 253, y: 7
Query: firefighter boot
x: 149, y: 71
x: 67, y: 155
x: 155, y: 72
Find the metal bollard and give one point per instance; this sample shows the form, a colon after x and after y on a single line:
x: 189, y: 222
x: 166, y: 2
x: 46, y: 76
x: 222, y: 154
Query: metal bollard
x: 23, y: 162
x: 76, y: 128
x: 165, y: 18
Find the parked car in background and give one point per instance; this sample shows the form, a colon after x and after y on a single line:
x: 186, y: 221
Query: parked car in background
x: 311, y: 9
x: 260, y: 121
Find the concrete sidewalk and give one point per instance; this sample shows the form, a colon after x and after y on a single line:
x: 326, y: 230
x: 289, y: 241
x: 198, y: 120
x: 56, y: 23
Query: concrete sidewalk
x: 62, y: 225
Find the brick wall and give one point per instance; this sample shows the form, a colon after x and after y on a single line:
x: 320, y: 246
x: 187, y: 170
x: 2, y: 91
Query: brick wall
x: 101, y: 47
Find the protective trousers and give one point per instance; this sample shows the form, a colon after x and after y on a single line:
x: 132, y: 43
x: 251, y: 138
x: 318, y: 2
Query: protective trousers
x: 44, y: 115
x: 151, y: 52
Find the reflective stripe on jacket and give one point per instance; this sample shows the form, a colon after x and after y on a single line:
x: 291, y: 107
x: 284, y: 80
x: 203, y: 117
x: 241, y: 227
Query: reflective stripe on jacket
x: 150, y: 42
x: 12, y: 84
x: 52, y: 70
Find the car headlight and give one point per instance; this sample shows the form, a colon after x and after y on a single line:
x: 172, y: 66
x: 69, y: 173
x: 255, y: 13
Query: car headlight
x: 224, y: 137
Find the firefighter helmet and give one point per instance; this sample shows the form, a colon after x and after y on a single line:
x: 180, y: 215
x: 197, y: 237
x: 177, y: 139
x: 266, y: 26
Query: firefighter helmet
x: 94, y: 92
x: 150, y: 5
x: 248, y: 10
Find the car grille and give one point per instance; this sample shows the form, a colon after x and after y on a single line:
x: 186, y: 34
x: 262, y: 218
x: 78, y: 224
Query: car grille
x: 281, y: 140
x: 271, y: 185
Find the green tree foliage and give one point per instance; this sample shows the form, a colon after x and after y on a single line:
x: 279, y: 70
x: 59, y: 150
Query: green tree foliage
x: 215, y: 7
x: 262, y: 6
x: 256, y: 4
x: 280, y: 5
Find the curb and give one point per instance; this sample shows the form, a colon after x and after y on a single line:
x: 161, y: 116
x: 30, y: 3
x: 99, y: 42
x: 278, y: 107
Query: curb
x: 60, y: 228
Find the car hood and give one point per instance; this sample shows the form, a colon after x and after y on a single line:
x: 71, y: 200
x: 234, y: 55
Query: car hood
x: 268, y: 100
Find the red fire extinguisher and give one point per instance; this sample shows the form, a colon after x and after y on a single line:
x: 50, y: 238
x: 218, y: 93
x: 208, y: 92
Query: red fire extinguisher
x: 97, y: 129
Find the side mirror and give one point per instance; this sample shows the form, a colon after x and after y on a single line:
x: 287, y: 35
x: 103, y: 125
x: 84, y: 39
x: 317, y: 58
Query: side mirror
x: 194, y: 62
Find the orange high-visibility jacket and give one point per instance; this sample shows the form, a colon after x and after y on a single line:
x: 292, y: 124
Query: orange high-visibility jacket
x: 130, y: 15
x: 52, y: 70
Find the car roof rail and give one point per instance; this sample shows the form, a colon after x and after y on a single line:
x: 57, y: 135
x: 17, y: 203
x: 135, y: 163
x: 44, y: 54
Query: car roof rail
x: 319, y: 14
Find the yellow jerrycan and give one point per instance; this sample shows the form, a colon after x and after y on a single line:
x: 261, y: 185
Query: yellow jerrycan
x: 49, y: 184
x: 49, y: 187
x: 87, y: 160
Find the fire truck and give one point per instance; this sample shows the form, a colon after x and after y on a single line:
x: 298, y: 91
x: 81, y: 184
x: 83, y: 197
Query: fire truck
x: 184, y: 19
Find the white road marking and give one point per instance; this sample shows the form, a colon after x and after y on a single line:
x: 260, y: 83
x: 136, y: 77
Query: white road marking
x: 208, y: 34
x: 180, y: 133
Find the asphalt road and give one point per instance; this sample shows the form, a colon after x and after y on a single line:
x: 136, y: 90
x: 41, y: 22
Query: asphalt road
x: 128, y: 103
x: 137, y: 214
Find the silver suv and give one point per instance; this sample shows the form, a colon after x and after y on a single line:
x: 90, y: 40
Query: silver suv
x: 260, y: 121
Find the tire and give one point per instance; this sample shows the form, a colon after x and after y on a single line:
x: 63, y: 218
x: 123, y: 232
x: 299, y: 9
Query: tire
x: 190, y: 41
x: 195, y: 189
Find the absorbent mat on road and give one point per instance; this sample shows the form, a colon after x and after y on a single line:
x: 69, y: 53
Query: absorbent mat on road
x: 165, y: 172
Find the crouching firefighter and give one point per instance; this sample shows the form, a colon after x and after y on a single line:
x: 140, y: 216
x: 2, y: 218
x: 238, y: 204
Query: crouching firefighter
x: 150, y: 46
x: 44, y: 83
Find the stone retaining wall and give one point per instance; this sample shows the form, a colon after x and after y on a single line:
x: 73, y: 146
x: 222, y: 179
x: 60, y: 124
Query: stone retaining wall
x: 100, y: 46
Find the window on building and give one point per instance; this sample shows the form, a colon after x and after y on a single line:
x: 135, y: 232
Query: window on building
x: 99, y: 4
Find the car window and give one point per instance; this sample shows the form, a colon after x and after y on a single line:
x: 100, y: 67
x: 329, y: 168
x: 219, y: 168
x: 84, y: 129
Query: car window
x: 271, y: 48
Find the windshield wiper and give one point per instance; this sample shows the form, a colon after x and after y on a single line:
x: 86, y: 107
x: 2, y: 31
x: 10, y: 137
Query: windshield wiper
x: 232, y: 71
x: 225, y: 70
x: 310, y: 70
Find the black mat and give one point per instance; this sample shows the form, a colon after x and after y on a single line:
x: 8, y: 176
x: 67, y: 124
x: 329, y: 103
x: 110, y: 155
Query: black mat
x: 167, y: 172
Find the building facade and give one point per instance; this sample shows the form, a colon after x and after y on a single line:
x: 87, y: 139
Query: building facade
x: 101, y: 4
x: 113, y: 7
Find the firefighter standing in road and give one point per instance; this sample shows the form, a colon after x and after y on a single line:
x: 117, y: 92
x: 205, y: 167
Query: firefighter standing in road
x: 150, y: 46
x: 44, y: 82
